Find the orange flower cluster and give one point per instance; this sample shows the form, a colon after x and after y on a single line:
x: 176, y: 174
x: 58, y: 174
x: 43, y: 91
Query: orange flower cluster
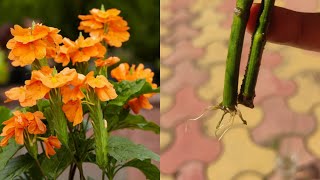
x: 72, y: 94
x: 102, y: 87
x: 107, y: 25
x: 71, y: 85
x: 124, y: 72
x: 20, y: 122
x: 39, y: 85
x: 33, y: 43
x: 80, y: 51
x: 50, y: 143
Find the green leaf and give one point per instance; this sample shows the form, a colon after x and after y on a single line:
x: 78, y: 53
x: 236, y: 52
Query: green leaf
x: 136, y: 122
x: 146, y: 167
x: 33, y: 173
x: 54, y: 166
x: 123, y: 150
x: 16, y: 167
x: 127, y: 90
x: 5, y: 115
x: 8, y: 152
x: 43, y: 104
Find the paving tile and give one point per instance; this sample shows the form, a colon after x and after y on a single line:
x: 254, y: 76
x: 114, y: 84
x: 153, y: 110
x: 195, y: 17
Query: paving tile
x: 180, y: 4
x: 181, y: 17
x: 214, y: 87
x: 185, y: 74
x: 165, y: 139
x: 279, y: 120
x: 240, y: 153
x: 308, y: 88
x: 207, y: 37
x: 183, y: 51
x: 269, y: 85
x: 166, y: 103
x: 190, y: 145
x: 197, y: 35
x: 296, y: 61
x: 191, y: 171
x: 313, y: 142
x: 215, y: 53
x: 166, y: 177
x: 186, y: 106
x: 200, y: 5
x: 182, y: 32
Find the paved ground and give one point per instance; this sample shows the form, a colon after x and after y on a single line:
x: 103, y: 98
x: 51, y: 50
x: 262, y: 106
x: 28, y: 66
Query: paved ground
x: 282, y: 137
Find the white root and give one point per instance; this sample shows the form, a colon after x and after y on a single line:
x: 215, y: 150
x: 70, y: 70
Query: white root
x: 233, y: 113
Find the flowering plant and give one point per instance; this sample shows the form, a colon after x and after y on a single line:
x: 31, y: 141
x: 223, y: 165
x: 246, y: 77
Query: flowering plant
x: 60, y: 109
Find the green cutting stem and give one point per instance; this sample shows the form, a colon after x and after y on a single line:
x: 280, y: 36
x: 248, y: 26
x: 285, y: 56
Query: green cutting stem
x: 247, y: 91
x: 240, y: 19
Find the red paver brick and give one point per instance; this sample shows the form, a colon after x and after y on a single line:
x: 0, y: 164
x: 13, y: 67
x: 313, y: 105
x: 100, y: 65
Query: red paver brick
x: 180, y: 17
x: 180, y: 4
x: 294, y: 146
x: 183, y: 51
x: 182, y: 33
x: 279, y: 120
x: 269, y: 85
x: 191, y: 171
x: 187, y: 106
x: 185, y: 74
x: 188, y: 146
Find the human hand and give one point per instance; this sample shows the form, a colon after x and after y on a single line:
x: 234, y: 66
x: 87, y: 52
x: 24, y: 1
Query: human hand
x: 291, y: 28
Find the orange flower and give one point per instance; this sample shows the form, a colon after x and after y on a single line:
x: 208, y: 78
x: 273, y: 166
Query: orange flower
x: 124, y: 72
x: 16, y: 125
x: 50, y: 143
x: 63, y: 55
x: 108, y: 62
x: 35, y: 90
x: 33, y: 43
x: 73, y: 111
x: 103, y: 88
x: 52, y: 40
x: 138, y: 103
x: 17, y: 93
x: 54, y: 80
x: 72, y: 91
x: 24, y: 54
x: 36, y: 126
x: 107, y: 25
x: 26, y: 35
x: 80, y: 51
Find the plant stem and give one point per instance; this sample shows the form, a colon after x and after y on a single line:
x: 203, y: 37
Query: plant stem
x: 247, y: 91
x: 103, y: 175
x: 72, y: 171
x: 99, y: 129
x: 240, y: 19
x: 59, y: 120
x: 79, y: 165
x: 39, y: 166
x: 82, y: 67
x: 110, y: 176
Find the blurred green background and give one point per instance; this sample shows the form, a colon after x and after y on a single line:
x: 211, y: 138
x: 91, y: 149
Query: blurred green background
x: 143, y: 17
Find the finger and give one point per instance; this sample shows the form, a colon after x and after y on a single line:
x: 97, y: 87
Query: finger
x: 290, y: 27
